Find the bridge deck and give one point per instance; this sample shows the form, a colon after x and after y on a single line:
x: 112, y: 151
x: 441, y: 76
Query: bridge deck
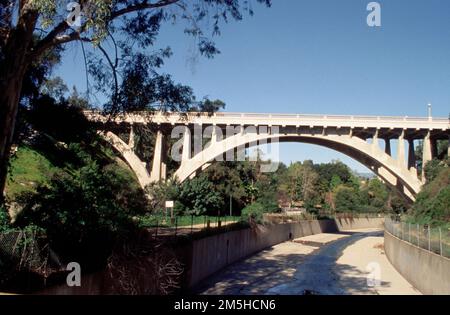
x: 297, y: 120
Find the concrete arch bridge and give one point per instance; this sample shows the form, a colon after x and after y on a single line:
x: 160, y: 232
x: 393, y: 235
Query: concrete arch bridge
x: 359, y: 137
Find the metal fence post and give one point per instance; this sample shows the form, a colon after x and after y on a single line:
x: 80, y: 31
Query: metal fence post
x: 409, y: 232
x: 176, y: 225
x: 440, y: 241
x: 418, y: 235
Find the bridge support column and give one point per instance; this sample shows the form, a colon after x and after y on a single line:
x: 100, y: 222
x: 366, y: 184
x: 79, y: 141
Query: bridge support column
x: 240, y: 150
x: 434, y: 148
x: 216, y: 137
x: 186, y: 155
x: 159, y: 166
x: 427, y: 153
x: 131, y: 143
x: 411, y: 157
x: 387, y: 147
x: 401, y: 150
x: 375, y: 140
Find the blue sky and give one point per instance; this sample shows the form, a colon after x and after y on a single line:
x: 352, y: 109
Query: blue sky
x: 317, y: 56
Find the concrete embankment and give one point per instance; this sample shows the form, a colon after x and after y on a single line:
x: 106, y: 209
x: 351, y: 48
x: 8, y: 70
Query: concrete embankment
x: 426, y: 271
x: 213, y: 253
x: 322, y: 264
x: 206, y: 256
x: 347, y: 223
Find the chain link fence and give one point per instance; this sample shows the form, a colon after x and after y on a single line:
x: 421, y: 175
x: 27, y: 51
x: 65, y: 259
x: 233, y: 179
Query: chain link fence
x: 20, y: 252
x: 436, y: 240
x: 181, y: 225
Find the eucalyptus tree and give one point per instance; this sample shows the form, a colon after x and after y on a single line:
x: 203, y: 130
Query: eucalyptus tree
x: 31, y: 28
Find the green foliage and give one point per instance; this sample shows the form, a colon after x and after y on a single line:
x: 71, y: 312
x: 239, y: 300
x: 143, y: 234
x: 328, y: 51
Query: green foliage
x: 28, y: 169
x: 347, y: 199
x: 300, y: 182
x: 197, y: 197
x: 4, y: 220
x: 334, y: 169
x: 377, y: 193
x: 81, y: 209
x: 434, y: 167
x: 398, y: 205
x: 161, y: 192
x: 60, y: 119
x: 254, y: 212
x: 335, y: 182
x: 82, y: 195
x: 432, y: 204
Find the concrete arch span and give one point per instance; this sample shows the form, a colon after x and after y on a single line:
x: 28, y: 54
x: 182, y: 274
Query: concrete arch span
x: 391, y: 170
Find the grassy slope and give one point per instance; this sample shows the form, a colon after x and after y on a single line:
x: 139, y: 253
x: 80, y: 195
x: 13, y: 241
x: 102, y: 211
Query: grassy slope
x: 433, y: 202
x: 28, y: 169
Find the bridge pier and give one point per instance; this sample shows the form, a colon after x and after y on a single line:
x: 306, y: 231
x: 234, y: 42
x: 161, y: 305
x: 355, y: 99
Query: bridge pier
x: 375, y: 140
x: 158, y: 166
x: 427, y: 153
x: 387, y: 147
x: 186, y: 154
x: 411, y: 157
x: 131, y: 143
x: 401, y: 150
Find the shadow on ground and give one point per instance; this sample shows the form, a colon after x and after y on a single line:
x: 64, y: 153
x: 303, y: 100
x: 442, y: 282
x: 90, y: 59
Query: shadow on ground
x: 304, y: 270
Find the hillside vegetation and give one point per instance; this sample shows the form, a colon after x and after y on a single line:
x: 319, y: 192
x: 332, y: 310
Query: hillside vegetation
x: 432, y: 205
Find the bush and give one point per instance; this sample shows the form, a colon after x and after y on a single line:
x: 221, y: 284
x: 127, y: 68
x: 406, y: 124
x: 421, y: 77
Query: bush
x: 4, y: 220
x: 433, y: 202
x: 83, y: 212
x: 347, y: 199
x: 197, y: 197
x: 254, y: 211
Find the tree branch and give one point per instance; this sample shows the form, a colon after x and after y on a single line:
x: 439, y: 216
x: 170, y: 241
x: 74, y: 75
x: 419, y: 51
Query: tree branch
x: 52, y: 39
x: 114, y: 71
x: 142, y: 6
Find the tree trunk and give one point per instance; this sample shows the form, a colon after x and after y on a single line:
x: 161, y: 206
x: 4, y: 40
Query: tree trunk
x: 12, y: 71
x: 9, y: 101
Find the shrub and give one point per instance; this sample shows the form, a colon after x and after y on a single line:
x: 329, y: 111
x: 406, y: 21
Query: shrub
x: 197, y: 196
x: 254, y: 211
x: 346, y: 199
x: 4, y: 220
x: 82, y: 212
x: 432, y: 204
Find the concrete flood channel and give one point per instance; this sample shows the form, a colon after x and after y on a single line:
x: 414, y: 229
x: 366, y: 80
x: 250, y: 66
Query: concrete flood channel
x: 321, y: 264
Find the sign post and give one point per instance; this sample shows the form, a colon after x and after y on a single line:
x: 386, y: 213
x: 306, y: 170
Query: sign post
x: 169, y: 206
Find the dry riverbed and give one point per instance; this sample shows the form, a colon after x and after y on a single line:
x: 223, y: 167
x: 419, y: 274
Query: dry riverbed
x: 316, y: 264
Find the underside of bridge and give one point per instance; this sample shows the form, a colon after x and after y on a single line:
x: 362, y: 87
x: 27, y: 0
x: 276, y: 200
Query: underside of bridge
x: 229, y: 142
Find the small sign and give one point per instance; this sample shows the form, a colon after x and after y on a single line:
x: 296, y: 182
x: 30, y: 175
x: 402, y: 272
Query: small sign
x: 169, y: 204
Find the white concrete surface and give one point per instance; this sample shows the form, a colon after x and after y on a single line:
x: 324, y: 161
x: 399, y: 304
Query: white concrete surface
x: 366, y: 253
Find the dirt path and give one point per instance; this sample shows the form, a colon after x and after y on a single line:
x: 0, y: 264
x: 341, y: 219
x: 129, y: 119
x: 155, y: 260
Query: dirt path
x: 324, y: 264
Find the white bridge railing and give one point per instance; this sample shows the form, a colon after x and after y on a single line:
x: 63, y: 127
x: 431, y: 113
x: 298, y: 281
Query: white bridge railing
x: 231, y: 118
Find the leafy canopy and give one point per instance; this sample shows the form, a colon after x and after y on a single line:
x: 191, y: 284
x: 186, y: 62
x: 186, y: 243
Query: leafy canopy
x: 123, y: 34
